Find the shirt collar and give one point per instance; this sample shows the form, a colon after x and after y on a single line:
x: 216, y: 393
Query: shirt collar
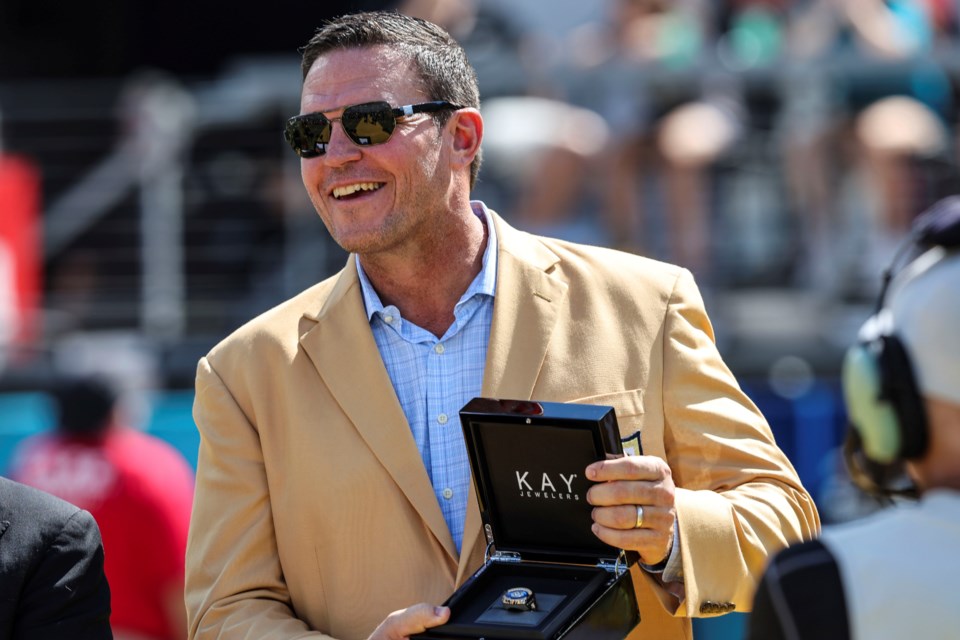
x: 484, y: 283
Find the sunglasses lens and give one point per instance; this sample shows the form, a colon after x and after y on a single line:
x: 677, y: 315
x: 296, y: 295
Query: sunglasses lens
x: 366, y: 124
x: 308, y: 135
x: 369, y: 123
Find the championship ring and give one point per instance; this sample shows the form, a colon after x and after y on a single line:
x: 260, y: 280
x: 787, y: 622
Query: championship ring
x: 519, y: 599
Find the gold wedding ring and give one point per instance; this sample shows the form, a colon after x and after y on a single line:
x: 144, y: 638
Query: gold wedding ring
x: 639, y: 517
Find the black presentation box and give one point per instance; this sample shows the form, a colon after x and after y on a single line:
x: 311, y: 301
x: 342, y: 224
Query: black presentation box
x: 528, y: 460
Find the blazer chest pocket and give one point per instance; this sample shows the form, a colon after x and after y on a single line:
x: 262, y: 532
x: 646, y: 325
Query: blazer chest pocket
x: 629, y: 409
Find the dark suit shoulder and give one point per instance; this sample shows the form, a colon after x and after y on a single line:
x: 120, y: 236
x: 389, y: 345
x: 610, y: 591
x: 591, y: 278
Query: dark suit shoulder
x: 19, y: 500
x: 52, y: 583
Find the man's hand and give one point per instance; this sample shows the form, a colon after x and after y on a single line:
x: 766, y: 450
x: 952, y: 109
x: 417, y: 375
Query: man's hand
x: 416, y: 619
x: 625, y: 484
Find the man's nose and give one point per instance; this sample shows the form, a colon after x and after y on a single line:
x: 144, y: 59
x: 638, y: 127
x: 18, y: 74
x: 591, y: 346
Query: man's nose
x: 341, y: 148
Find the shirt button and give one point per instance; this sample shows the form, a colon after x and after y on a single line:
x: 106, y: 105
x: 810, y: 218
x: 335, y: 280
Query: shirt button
x: 442, y: 418
x: 438, y: 348
x: 448, y: 493
x: 388, y: 319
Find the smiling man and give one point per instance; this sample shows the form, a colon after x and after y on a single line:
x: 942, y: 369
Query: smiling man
x: 333, y: 493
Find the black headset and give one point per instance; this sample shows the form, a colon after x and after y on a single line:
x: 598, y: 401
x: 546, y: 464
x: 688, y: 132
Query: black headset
x: 886, y: 410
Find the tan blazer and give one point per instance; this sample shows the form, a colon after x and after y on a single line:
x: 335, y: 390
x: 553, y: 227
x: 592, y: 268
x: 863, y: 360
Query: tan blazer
x: 313, y: 509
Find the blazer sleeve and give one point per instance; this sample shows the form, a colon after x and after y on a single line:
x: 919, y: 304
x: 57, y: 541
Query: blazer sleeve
x: 234, y: 582
x: 739, y: 500
x: 66, y: 594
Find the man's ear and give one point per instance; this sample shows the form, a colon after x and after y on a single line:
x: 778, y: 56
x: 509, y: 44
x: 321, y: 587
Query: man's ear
x: 467, y: 127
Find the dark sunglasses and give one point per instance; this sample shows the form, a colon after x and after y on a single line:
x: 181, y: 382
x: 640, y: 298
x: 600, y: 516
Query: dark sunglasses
x: 366, y: 124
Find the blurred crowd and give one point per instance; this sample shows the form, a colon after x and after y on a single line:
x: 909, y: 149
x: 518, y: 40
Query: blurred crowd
x: 760, y: 143
x: 677, y: 128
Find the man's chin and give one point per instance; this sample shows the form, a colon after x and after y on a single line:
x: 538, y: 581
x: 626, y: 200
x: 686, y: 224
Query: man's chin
x: 361, y: 243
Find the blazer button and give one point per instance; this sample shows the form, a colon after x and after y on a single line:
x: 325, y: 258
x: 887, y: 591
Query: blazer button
x: 715, y: 608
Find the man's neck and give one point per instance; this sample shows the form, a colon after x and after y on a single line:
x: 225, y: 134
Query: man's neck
x: 426, y: 282
x: 939, y: 466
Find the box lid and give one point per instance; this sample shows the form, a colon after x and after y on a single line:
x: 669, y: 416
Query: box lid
x: 528, y: 460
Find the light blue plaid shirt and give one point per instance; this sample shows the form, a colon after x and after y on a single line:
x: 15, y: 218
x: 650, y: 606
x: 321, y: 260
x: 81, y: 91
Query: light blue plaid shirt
x: 433, y: 378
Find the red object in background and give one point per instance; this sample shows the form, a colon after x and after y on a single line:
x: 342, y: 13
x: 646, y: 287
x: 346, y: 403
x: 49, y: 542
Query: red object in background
x: 140, y: 491
x: 20, y: 235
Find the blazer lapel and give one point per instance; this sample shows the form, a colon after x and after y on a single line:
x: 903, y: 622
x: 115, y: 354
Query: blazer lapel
x: 341, y: 347
x: 526, y: 309
x: 525, y: 312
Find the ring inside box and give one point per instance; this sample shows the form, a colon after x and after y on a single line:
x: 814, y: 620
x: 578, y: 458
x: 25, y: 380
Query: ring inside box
x: 560, y: 591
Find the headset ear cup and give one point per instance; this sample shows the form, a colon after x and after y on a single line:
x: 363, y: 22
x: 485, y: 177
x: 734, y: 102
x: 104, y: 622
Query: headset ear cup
x: 871, y: 415
x: 900, y: 388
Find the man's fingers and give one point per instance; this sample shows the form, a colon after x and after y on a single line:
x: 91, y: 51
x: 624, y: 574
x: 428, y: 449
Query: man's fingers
x: 628, y: 468
x: 627, y: 492
x: 621, y: 486
x: 399, y: 625
x: 653, y: 545
x: 625, y: 517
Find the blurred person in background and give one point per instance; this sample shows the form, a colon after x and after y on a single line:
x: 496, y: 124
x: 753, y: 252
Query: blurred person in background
x: 19, y: 249
x: 670, y: 118
x: 864, y: 130
x: 8, y: 303
x: 52, y: 584
x: 8, y: 311
x: 334, y: 495
x: 138, y: 488
x: 895, y: 137
x: 891, y: 574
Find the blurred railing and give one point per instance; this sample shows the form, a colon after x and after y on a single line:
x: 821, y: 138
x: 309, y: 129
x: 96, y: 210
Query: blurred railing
x: 170, y: 210
x: 173, y: 212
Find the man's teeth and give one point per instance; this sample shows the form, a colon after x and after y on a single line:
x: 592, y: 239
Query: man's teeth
x: 340, y: 192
